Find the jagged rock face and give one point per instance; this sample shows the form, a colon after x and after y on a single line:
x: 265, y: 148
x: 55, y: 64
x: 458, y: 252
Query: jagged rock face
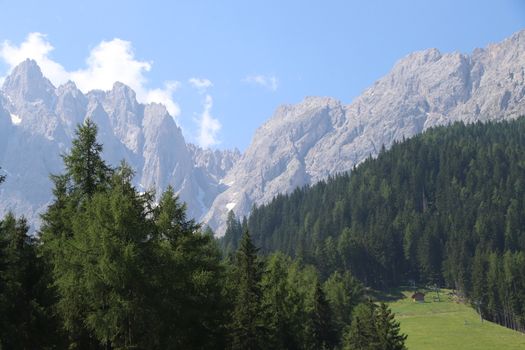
x: 215, y: 162
x: 125, y: 115
x: 319, y: 137
x: 71, y: 107
x: 31, y: 99
x: 5, y: 123
x: 27, y: 84
x: 38, y: 122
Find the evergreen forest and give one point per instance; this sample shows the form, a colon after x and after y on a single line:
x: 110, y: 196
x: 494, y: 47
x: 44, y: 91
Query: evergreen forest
x: 115, y: 268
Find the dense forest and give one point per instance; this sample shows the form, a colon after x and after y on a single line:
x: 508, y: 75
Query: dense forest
x: 115, y: 268
x: 446, y: 207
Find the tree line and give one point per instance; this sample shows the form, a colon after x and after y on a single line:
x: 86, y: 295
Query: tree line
x: 115, y: 268
x: 446, y: 207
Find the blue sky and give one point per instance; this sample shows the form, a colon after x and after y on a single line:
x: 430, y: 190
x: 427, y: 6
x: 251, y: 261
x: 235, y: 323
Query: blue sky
x: 226, y: 65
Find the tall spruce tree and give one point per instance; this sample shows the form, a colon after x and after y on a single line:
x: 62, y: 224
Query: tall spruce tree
x: 233, y: 234
x: 362, y: 335
x: 389, y: 333
x: 25, y: 319
x: 248, y: 330
x: 344, y: 292
x: 374, y: 328
x: 187, y: 279
x: 323, y: 327
x: 283, y: 305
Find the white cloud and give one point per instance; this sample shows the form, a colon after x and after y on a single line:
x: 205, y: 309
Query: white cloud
x: 268, y: 81
x: 208, y: 125
x: 108, y: 62
x: 200, y: 84
x: 164, y: 96
x: 38, y: 48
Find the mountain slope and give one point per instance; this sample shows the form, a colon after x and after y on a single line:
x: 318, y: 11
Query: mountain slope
x: 445, y: 207
x: 304, y: 143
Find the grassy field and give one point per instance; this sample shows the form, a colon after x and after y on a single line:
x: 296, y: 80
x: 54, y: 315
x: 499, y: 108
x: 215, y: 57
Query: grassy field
x: 449, y: 325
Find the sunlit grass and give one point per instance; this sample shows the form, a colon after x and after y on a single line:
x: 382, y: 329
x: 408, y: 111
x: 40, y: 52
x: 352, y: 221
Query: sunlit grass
x: 448, y: 324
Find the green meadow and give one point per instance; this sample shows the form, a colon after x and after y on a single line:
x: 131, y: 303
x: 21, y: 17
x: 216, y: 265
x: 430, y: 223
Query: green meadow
x: 448, y: 324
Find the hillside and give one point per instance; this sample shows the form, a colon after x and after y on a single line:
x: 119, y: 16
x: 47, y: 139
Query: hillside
x: 448, y: 324
x: 444, y: 207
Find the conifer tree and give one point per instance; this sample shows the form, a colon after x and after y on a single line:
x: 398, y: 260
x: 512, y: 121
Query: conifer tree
x: 25, y: 323
x: 389, y: 334
x: 84, y: 163
x: 374, y: 328
x: 323, y: 327
x: 344, y: 292
x: 361, y: 335
x: 282, y: 304
x: 65, y: 246
x: 247, y: 326
x: 187, y: 279
x: 233, y: 233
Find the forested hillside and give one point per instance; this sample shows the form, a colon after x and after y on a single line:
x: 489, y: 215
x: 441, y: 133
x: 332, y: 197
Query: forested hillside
x: 445, y: 207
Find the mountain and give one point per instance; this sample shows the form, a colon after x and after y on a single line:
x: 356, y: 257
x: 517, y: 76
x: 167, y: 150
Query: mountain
x: 299, y: 145
x: 38, y: 121
x: 304, y: 143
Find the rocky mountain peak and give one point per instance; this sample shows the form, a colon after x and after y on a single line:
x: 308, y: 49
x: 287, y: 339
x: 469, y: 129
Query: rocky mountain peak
x: 517, y: 38
x: 26, y: 83
x: 45, y: 120
x: 68, y: 88
x: 216, y: 162
x: 125, y: 114
x: 122, y: 93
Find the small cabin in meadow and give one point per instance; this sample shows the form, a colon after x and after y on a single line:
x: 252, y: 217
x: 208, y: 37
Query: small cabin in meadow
x: 418, y: 297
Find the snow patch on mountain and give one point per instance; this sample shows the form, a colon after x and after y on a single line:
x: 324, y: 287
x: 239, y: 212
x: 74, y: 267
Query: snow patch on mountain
x: 15, y: 119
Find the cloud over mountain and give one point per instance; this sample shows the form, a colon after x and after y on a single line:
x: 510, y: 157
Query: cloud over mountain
x: 108, y: 62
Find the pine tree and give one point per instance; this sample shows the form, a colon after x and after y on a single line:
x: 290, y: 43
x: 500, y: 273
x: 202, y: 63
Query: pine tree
x: 344, y: 292
x: 25, y: 323
x: 84, y: 163
x: 187, y: 279
x: 362, y: 335
x: 374, y: 328
x: 323, y: 327
x: 390, y: 337
x: 233, y: 234
x: 283, y: 304
x: 64, y: 244
x: 247, y: 327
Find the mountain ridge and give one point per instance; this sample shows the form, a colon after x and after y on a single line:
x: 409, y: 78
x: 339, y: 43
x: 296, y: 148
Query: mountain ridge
x: 299, y: 145
x: 38, y: 122
x: 423, y: 89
